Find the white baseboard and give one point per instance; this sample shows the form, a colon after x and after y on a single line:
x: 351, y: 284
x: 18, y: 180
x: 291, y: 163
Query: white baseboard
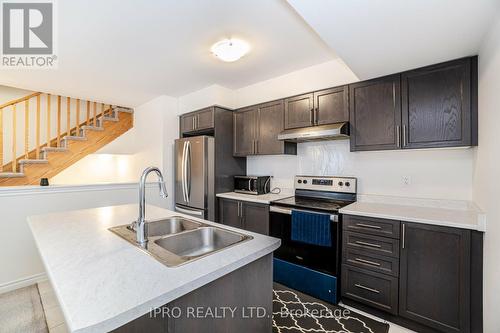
x: 24, y: 282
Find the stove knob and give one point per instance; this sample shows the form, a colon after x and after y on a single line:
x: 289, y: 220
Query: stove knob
x: 299, y: 181
x: 305, y: 181
x: 347, y: 184
x: 340, y: 183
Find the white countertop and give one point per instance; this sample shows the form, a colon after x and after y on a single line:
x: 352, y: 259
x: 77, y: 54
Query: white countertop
x: 465, y: 218
x: 102, y: 281
x: 262, y: 198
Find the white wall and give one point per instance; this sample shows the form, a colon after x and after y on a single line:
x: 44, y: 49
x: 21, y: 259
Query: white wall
x: 487, y: 176
x: 20, y: 263
x: 211, y: 95
x: 437, y: 174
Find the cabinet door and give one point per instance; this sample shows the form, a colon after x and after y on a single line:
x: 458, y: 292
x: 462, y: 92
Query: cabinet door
x: 299, y: 111
x: 271, y: 118
x: 245, y: 128
x: 187, y: 123
x: 436, y: 105
x: 205, y: 119
x: 435, y: 276
x: 375, y: 114
x: 229, y: 213
x: 331, y: 106
x: 256, y: 217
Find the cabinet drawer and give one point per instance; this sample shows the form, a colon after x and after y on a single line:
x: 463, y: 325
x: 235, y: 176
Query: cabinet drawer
x: 373, y: 244
x: 373, y: 262
x: 372, y: 226
x: 374, y: 289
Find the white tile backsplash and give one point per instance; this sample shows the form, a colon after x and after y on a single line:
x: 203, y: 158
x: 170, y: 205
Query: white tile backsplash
x: 436, y: 173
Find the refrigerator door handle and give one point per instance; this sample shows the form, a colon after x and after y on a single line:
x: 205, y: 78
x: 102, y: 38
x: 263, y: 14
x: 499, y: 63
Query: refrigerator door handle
x: 183, y: 172
x: 188, y: 171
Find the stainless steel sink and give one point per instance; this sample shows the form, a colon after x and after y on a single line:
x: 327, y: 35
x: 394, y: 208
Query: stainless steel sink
x: 199, y: 242
x: 176, y: 240
x: 169, y: 226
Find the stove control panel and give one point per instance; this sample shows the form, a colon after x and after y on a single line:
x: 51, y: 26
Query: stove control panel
x: 324, y: 183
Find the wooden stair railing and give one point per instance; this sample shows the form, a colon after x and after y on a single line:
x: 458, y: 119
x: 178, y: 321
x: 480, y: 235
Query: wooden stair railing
x: 73, y: 128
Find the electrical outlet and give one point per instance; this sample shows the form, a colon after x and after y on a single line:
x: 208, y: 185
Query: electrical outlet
x: 406, y: 180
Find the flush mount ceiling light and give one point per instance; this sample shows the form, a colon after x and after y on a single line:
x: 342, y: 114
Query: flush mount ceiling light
x: 230, y: 50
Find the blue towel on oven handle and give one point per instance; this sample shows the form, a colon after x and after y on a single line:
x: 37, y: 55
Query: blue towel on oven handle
x: 311, y: 228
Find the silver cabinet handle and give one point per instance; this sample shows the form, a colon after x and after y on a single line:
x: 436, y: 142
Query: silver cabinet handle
x: 403, y: 240
x: 193, y: 123
x: 398, y: 136
x: 368, y: 262
x: 311, y: 116
x: 368, y: 244
x: 362, y: 225
x: 316, y: 118
x: 367, y: 288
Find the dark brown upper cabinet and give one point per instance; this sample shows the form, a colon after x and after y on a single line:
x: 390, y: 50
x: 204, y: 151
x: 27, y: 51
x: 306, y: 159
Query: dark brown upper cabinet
x: 322, y: 107
x: 430, y: 107
x: 245, y: 129
x: 197, y: 121
x: 375, y: 114
x: 299, y: 111
x: 435, y: 276
x: 437, y: 105
x: 256, y: 130
x: 331, y: 106
x: 205, y: 119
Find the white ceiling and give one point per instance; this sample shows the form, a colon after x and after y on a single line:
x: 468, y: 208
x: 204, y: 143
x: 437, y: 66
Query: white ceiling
x: 379, y: 37
x: 129, y: 51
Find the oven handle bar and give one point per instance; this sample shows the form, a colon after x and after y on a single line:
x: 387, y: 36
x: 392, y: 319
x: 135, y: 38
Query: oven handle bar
x: 276, y: 209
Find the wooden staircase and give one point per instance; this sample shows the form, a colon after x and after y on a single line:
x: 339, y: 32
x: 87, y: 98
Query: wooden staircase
x: 85, y: 132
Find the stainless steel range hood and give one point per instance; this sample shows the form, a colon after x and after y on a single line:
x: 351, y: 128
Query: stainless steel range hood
x: 316, y: 133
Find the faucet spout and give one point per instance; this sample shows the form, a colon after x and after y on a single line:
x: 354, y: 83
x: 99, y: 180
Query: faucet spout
x: 140, y: 224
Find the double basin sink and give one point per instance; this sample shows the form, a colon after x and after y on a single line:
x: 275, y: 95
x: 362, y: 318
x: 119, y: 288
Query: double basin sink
x: 177, y: 240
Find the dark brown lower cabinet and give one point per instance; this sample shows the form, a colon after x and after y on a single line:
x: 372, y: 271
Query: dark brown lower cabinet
x: 435, y: 276
x: 424, y: 277
x: 246, y: 215
x: 248, y: 290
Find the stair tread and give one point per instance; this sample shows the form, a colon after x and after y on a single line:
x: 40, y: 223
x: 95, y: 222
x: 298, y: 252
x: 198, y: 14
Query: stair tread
x: 94, y: 128
x: 33, y: 161
x: 11, y: 174
x: 122, y: 109
x: 75, y: 137
x: 54, y: 149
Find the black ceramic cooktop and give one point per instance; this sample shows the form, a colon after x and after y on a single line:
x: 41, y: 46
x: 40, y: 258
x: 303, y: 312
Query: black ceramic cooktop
x: 312, y: 203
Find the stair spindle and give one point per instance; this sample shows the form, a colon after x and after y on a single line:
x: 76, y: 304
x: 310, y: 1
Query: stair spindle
x: 38, y: 127
x: 68, y: 116
x: 102, y: 112
x: 95, y: 114
x: 58, y: 121
x: 48, y: 120
x: 1, y: 140
x: 77, y: 117
x: 26, y: 127
x: 88, y: 113
x: 14, y: 141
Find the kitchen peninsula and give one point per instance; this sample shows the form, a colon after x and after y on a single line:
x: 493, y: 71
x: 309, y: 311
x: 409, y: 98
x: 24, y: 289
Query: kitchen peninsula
x: 104, y: 283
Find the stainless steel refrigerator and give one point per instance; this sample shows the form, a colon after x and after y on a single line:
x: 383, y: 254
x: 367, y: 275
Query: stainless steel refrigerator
x: 194, y: 176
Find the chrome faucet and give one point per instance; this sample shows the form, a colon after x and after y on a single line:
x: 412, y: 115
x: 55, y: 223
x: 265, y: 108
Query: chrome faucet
x: 140, y: 226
